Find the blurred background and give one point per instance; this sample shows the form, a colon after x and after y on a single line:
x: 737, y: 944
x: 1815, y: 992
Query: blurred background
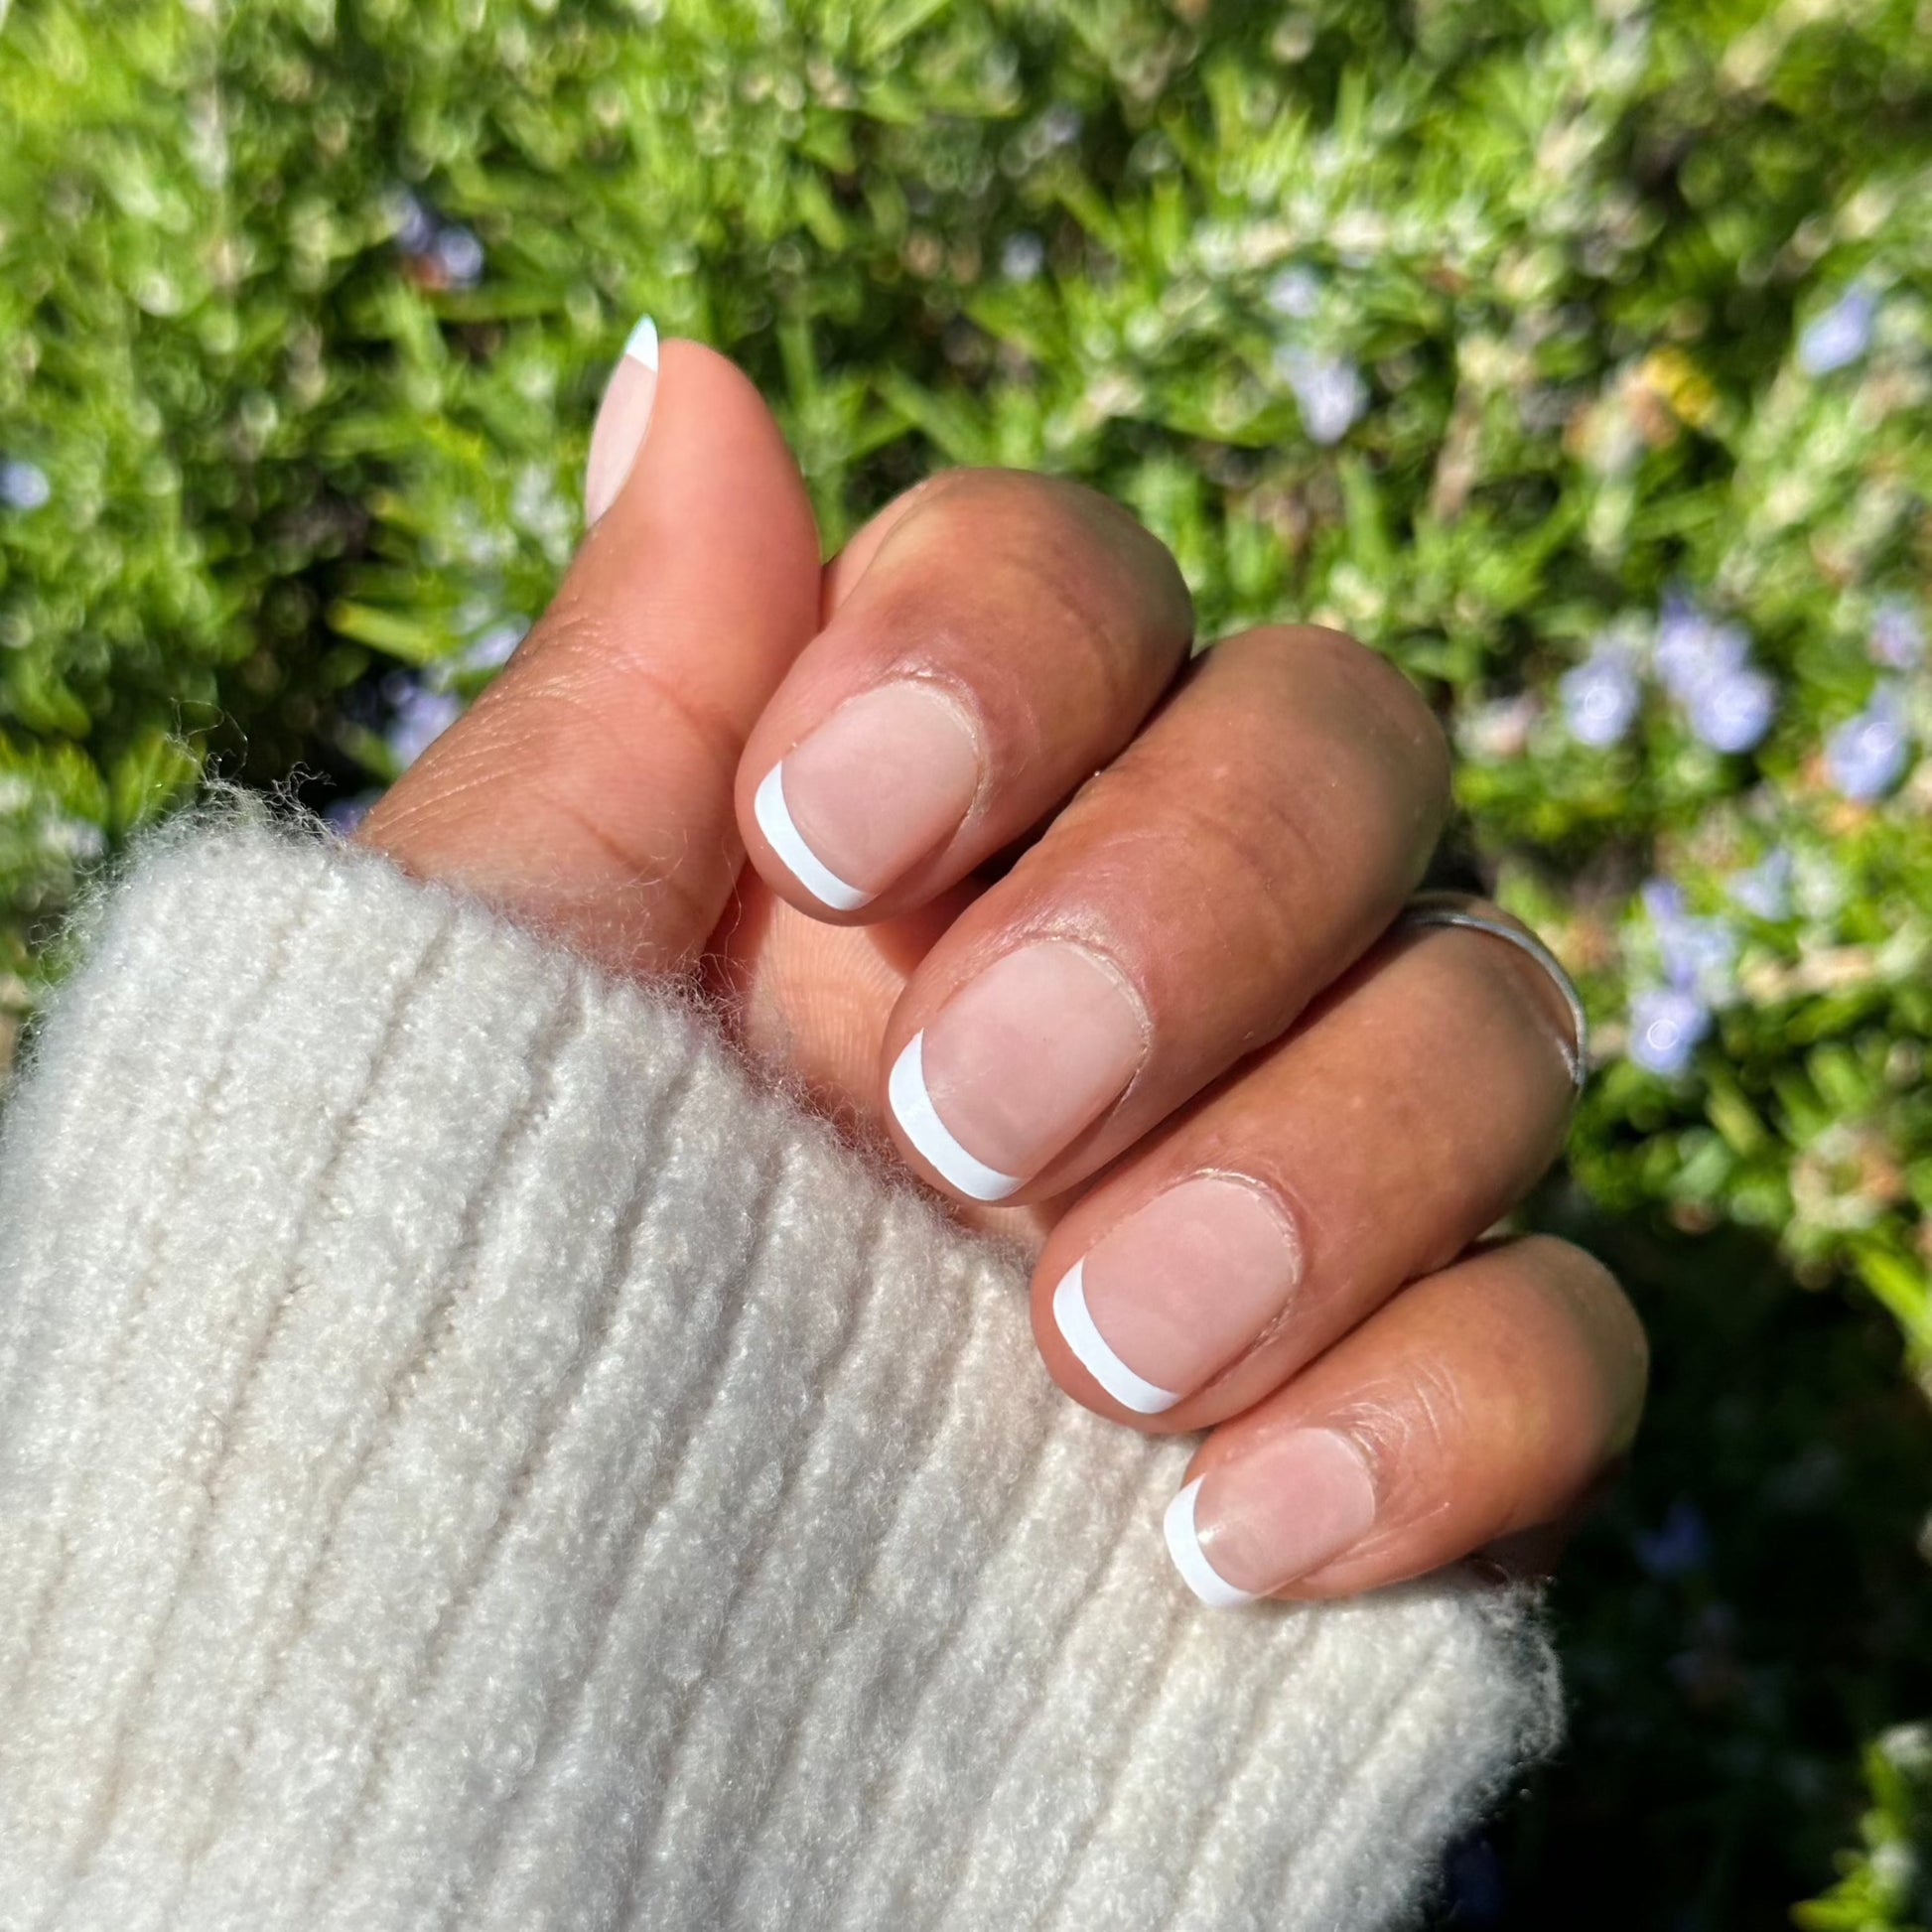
x: 1575, y: 352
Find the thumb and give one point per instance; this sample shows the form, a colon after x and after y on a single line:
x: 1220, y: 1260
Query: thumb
x: 589, y: 791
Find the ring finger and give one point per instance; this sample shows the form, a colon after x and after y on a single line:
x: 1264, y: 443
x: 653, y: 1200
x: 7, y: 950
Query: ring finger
x: 1417, y: 1105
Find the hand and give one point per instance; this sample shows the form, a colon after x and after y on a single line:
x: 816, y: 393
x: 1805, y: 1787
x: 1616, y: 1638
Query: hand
x: 1249, y: 1127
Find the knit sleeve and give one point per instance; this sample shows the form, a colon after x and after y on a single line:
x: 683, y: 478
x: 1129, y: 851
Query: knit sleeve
x: 471, y: 1457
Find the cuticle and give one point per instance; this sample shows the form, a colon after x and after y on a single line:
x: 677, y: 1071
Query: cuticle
x: 1368, y: 1449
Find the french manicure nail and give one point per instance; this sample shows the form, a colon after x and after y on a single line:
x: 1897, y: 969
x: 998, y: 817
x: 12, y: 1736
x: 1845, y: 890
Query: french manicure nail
x: 1279, y: 1511
x: 1014, y: 1064
x: 1177, y: 1289
x: 885, y: 780
x: 623, y: 417
x: 1183, y: 1546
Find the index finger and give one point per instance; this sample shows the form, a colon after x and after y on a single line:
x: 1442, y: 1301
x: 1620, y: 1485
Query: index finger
x: 994, y: 637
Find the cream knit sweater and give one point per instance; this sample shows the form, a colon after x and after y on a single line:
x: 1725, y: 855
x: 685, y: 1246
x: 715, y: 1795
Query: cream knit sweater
x: 470, y: 1456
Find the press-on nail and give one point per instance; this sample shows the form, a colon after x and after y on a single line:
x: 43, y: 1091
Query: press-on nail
x: 911, y: 1105
x: 885, y: 780
x: 1277, y: 1512
x: 1015, y: 1065
x: 1184, y: 1544
x: 1178, y: 1290
x: 773, y: 809
x: 622, y: 418
x: 1074, y: 1320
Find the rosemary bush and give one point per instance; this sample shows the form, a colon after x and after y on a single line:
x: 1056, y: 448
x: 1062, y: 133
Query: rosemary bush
x: 1574, y: 352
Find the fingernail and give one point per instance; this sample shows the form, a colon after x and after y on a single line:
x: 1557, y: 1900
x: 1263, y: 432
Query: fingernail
x: 1178, y: 1290
x: 1014, y: 1064
x: 623, y: 417
x: 882, y: 782
x: 1277, y: 1512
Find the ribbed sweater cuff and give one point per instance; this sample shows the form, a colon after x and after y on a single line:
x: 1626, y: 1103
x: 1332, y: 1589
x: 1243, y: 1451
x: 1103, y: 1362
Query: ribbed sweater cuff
x: 471, y: 1457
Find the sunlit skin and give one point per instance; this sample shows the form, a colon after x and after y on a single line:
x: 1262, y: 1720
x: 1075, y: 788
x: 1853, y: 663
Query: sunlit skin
x: 1230, y: 836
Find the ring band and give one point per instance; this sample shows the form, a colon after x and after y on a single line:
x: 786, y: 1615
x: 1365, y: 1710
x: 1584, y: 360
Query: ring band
x: 1452, y: 909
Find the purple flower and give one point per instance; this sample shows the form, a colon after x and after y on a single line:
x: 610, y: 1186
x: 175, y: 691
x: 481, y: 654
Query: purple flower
x: 1060, y: 125
x: 1897, y: 639
x: 1022, y: 257
x: 345, y: 815
x: 1683, y: 638
x: 492, y: 649
x: 1295, y: 292
x: 420, y: 717
x: 1667, y: 1024
x: 416, y: 229
x: 1866, y: 755
x: 459, y: 256
x: 1733, y: 710
x: 1678, y: 1546
x: 1693, y: 653
x: 1600, y: 697
x: 1707, y: 667
x: 1330, y: 391
x: 1698, y: 955
x: 1765, y: 889
x: 23, y: 486
x: 1663, y: 899
x: 1841, y: 335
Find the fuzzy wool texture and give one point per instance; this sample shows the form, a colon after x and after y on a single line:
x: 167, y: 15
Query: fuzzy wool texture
x: 471, y: 1456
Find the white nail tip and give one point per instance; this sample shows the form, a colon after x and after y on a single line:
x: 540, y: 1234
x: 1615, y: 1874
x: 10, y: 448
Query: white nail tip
x: 775, y: 822
x: 1184, y: 1544
x: 913, y: 1109
x: 642, y: 345
x: 1075, y: 1322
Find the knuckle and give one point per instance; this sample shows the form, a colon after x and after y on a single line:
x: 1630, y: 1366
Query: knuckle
x: 998, y: 505
x: 1382, y: 708
x: 1410, y: 1430
x: 1248, y: 863
x: 586, y: 658
x: 1095, y: 564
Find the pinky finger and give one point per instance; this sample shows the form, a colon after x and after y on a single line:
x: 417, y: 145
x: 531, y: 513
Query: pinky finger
x: 1482, y: 1402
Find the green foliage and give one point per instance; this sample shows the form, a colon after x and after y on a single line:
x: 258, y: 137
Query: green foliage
x: 1886, y: 1884
x: 1482, y: 328
x: 1741, y: 1615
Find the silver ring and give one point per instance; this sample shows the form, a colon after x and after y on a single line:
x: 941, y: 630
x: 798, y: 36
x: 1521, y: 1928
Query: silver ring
x: 1452, y: 908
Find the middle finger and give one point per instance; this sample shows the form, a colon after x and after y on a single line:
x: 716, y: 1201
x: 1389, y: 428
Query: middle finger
x: 1180, y: 913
